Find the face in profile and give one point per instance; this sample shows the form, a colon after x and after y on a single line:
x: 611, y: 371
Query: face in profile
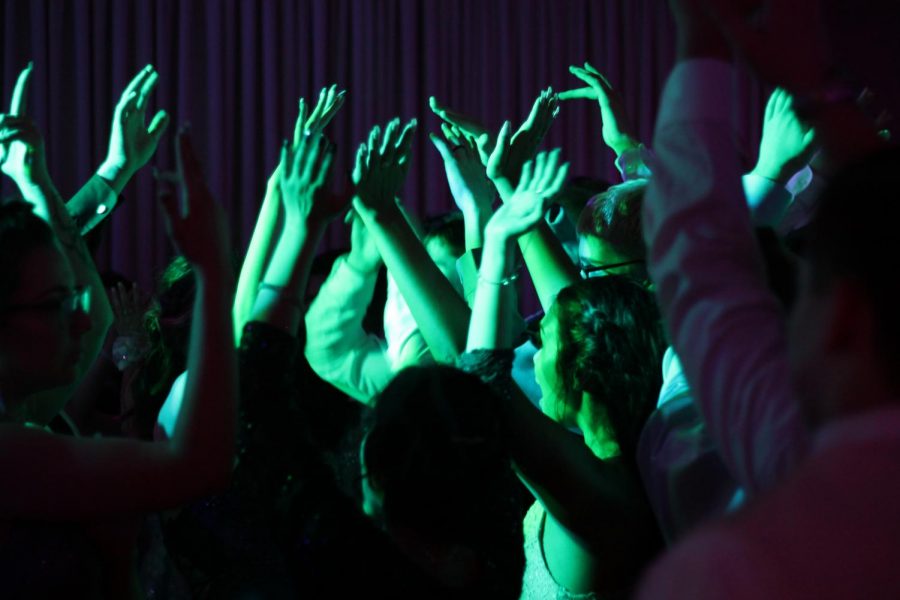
x: 546, y: 371
x: 42, y: 325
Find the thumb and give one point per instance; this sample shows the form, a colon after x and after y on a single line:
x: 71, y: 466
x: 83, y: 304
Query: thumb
x: 441, y: 146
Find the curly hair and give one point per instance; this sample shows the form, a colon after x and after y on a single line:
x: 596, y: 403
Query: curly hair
x: 611, y: 343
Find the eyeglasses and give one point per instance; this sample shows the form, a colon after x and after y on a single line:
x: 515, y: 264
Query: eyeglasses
x: 78, y: 299
x: 590, y: 271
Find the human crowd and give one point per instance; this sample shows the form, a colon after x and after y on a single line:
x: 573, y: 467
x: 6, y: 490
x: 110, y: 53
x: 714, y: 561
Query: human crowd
x: 706, y: 406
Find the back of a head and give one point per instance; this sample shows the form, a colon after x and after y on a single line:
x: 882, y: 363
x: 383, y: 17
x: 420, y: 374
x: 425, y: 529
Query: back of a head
x: 853, y: 236
x: 449, y: 229
x: 436, y: 454
x: 21, y: 231
x: 611, y: 343
x: 614, y: 216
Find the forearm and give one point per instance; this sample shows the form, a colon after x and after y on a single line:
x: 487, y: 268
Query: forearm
x: 439, y: 311
x: 474, y: 220
x: 490, y: 324
x: 280, y: 299
x: 548, y: 264
x: 205, y: 431
x: 725, y: 325
x: 261, y: 248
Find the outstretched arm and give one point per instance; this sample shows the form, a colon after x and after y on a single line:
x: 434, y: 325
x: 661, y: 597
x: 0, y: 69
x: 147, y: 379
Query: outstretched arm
x: 91, y: 478
x: 264, y: 238
x: 550, y: 267
x: 22, y: 159
x: 440, y: 313
x: 304, y: 171
x: 589, y: 497
x: 132, y: 144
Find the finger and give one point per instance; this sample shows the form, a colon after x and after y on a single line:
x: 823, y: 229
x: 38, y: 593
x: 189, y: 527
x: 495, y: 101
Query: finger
x: 311, y: 156
x: 451, y: 133
x: 158, y: 125
x: 525, y: 179
x: 558, y: 181
x: 319, y: 108
x: 372, y: 143
x: 441, y: 146
x: 300, y: 123
x: 586, y: 77
x: 600, y: 76
x: 539, y: 165
x: 324, y: 168
x: 585, y: 93
x: 359, y: 166
x: 136, y: 83
x: 404, y: 143
x: 146, y: 88
x: 387, y: 141
x: 20, y: 91
x: 498, y: 155
x: 550, y: 168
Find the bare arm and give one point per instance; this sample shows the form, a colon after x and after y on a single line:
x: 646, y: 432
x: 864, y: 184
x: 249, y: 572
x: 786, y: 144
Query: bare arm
x: 439, y: 311
x: 67, y: 478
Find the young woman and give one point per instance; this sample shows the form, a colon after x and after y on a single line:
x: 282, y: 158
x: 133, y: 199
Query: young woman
x: 591, y: 530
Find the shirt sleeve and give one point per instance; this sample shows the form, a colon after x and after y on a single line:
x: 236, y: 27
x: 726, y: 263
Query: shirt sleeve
x: 337, y: 347
x: 91, y: 204
x: 727, y: 328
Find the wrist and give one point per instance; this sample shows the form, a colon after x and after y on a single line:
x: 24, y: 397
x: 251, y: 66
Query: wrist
x: 496, y: 258
x: 361, y: 264
x: 780, y: 173
x: 624, y: 145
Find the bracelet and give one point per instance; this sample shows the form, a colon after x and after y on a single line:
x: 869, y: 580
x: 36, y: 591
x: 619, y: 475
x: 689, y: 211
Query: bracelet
x: 503, y: 282
x: 283, y: 296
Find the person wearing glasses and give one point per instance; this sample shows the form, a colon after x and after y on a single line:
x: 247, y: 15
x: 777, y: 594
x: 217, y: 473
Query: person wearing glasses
x: 67, y: 513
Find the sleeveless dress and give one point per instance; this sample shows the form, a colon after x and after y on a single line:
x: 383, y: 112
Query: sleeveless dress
x: 537, y: 582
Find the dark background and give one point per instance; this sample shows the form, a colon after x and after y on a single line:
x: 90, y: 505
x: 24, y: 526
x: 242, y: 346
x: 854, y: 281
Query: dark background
x: 235, y: 69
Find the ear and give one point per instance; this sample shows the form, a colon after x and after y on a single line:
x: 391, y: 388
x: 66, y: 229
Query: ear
x: 850, y: 322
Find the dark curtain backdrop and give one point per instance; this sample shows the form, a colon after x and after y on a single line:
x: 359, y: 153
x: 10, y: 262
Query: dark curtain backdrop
x: 235, y: 69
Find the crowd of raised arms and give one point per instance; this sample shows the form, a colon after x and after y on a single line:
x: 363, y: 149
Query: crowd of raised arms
x: 707, y: 405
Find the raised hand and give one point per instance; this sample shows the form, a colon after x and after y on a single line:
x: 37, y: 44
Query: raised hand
x: 304, y: 172
x: 21, y: 144
x: 330, y: 102
x: 195, y: 221
x: 472, y: 190
x: 466, y: 125
x: 381, y: 166
x: 541, y: 179
x: 787, y: 143
x: 505, y: 159
x: 618, y: 133
x: 128, y: 309
x: 131, y: 141
x: 526, y: 139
